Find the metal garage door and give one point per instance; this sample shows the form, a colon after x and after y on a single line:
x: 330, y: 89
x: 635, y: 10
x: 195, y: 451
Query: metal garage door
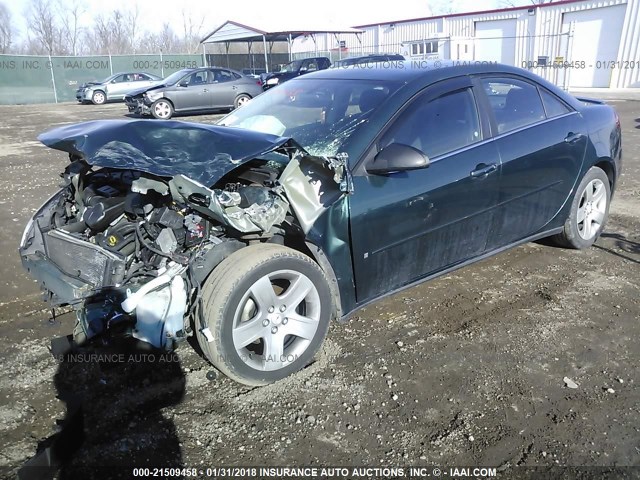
x: 495, y: 41
x: 596, y: 39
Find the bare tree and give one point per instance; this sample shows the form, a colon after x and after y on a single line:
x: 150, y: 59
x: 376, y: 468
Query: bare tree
x: 44, y: 29
x: 55, y: 27
x: 71, y: 30
x: 192, y: 31
x: 6, y: 29
x: 131, y: 26
x: 442, y: 7
x: 98, y: 37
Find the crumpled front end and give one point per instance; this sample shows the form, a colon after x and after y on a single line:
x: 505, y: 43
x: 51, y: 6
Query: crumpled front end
x: 138, y: 226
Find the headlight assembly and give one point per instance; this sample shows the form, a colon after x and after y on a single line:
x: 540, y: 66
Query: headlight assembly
x: 153, y: 96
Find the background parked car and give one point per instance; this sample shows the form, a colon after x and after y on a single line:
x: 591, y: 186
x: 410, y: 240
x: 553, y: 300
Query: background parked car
x: 253, y: 72
x: 294, y: 69
x: 114, y: 87
x: 368, y: 59
x: 194, y: 90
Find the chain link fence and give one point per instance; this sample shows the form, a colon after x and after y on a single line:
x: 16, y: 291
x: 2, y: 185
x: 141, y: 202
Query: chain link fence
x: 26, y: 79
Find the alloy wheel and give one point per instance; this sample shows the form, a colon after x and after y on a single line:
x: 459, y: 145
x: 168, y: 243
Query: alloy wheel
x: 162, y: 110
x: 592, y: 209
x: 276, y: 320
x: 99, y: 98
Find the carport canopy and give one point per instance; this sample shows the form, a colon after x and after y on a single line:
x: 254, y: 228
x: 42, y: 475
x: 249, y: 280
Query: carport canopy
x: 235, y: 32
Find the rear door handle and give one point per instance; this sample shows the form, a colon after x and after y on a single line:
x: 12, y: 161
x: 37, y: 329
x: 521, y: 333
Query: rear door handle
x: 205, y: 90
x: 572, y: 137
x: 483, y: 170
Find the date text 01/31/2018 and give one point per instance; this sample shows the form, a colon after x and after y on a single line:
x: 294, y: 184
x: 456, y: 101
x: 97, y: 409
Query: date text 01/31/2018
x: 314, y: 472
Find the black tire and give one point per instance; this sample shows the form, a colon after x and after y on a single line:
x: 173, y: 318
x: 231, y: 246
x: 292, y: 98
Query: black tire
x: 579, y: 231
x: 226, y: 295
x: 99, y: 97
x: 162, y: 109
x: 241, y: 100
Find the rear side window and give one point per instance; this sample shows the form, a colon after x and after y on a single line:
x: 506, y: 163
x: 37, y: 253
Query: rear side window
x: 515, y: 103
x: 221, y: 76
x: 310, y: 65
x: 552, y: 105
x: 439, y: 126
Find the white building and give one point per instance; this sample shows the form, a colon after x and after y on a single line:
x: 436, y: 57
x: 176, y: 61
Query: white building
x: 573, y: 43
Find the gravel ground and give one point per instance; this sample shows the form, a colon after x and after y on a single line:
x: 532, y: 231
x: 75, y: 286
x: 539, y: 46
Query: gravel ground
x: 472, y: 369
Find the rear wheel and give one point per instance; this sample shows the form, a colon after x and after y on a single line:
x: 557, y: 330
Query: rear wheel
x: 162, y: 109
x: 241, y: 100
x: 98, y: 97
x: 267, y: 311
x: 589, y: 211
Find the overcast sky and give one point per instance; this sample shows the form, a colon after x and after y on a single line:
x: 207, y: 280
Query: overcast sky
x: 337, y: 13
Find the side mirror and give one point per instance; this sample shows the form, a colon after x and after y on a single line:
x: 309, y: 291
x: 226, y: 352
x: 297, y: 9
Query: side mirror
x: 397, y: 157
x: 184, y: 83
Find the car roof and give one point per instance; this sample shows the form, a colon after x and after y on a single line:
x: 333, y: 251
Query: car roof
x: 199, y: 69
x: 409, y: 70
x: 421, y: 73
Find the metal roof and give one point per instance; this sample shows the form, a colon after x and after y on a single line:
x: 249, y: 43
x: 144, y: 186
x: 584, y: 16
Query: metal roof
x: 479, y: 12
x: 232, y: 31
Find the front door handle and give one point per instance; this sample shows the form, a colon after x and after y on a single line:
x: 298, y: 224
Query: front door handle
x: 205, y: 90
x: 572, y: 137
x: 483, y: 170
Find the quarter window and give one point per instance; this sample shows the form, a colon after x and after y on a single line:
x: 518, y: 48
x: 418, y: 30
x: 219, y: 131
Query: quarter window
x: 515, y: 104
x: 552, y: 105
x: 439, y: 126
x: 221, y: 76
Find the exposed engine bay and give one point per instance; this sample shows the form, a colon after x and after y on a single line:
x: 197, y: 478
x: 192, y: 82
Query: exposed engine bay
x: 129, y: 249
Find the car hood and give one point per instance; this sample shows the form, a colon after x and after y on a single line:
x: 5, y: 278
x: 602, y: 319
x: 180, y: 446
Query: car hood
x: 266, y: 76
x: 91, y: 84
x: 204, y: 153
x: 140, y: 91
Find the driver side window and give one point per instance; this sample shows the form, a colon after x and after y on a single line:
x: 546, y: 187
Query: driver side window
x: 439, y: 126
x: 197, y: 78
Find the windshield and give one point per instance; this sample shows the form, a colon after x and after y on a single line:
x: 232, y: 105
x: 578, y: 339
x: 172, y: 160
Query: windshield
x: 291, y: 67
x: 320, y: 115
x: 174, y: 77
x: 108, y: 79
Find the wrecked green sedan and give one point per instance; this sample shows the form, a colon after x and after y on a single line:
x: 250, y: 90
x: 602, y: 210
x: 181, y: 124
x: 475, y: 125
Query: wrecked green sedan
x: 311, y: 201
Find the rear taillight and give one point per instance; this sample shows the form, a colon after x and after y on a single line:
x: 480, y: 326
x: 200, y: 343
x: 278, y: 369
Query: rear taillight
x: 617, y: 119
x: 258, y: 82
